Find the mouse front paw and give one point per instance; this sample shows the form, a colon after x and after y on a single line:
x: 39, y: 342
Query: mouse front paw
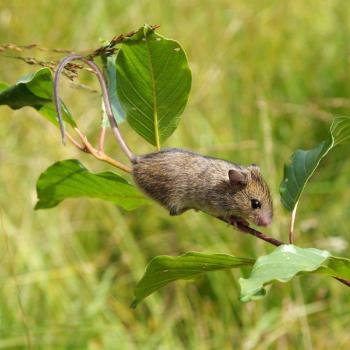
x: 237, y: 221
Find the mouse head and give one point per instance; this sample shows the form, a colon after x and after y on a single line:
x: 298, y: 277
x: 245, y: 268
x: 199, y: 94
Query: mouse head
x: 252, y: 199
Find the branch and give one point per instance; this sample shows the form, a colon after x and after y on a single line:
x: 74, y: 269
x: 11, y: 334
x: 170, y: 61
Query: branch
x: 347, y: 283
x: 240, y: 226
x: 98, y: 154
x: 246, y: 229
x: 105, y: 96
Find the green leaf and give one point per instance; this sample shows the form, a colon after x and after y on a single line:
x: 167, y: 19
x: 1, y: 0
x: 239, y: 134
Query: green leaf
x: 70, y: 179
x: 164, y: 269
x: 286, y: 262
x: 3, y: 86
x: 34, y: 90
x: 154, y: 83
x: 304, y: 162
x: 20, y: 95
x: 110, y: 73
x: 336, y: 267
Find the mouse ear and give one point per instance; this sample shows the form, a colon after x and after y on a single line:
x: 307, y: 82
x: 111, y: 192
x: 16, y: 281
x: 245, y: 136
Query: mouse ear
x: 255, y: 171
x: 254, y: 167
x: 237, y: 177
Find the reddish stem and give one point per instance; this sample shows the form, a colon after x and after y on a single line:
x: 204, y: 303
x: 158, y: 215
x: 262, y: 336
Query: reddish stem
x: 260, y: 235
x: 347, y: 283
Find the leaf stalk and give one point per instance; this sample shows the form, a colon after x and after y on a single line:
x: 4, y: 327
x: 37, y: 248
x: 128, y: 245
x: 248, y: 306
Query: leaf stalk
x: 292, y: 222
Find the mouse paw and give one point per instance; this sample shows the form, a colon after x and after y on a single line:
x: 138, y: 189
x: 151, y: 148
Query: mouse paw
x: 174, y: 210
x: 237, y: 221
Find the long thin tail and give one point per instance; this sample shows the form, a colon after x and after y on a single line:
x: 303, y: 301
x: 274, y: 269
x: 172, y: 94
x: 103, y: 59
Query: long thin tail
x: 105, y: 97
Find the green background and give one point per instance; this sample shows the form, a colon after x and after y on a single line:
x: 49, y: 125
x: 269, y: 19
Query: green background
x: 268, y: 76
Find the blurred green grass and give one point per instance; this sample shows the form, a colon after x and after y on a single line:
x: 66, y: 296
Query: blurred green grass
x: 267, y: 78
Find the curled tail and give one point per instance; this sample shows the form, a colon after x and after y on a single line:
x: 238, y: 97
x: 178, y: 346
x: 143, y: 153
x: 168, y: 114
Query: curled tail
x: 105, y: 97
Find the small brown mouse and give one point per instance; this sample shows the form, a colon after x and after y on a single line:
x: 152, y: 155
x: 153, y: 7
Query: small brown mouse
x: 181, y: 180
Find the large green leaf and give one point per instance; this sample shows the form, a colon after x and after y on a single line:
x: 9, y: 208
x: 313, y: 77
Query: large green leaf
x: 70, y: 179
x: 286, y: 262
x: 154, y: 83
x: 164, y: 269
x: 34, y: 90
x: 304, y: 162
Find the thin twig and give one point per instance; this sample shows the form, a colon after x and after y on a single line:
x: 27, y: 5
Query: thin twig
x: 105, y: 97
x: 101, y: 144
x: 20, y: 48
x: 246, y: 229
x: 88, y: 148
x: 74, y: 142
x: 98, y: 154
x: 70, y: 71
x: 347, y: 283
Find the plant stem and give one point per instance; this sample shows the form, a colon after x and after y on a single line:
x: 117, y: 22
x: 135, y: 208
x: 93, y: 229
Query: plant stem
x: 292, y: 221
x: 107, y: 104
x: 347, y: 283
x: 101, y: 144
x: 100, y: 155
x: 260, y: 235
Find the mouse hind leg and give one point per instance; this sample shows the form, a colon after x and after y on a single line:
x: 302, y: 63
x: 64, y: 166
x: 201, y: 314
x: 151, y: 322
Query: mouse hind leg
x: 177, y: 203
x: 175, y: 210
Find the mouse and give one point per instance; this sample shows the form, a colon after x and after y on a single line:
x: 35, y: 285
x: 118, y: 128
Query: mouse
x: 180, y: 180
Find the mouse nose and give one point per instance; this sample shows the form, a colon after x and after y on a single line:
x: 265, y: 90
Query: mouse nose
x: 265, y: 220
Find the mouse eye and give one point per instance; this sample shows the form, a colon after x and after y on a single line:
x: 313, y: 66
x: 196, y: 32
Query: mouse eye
x: 255, y: 204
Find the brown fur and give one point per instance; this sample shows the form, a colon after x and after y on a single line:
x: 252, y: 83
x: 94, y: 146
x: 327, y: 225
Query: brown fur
x: 181, y: 180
